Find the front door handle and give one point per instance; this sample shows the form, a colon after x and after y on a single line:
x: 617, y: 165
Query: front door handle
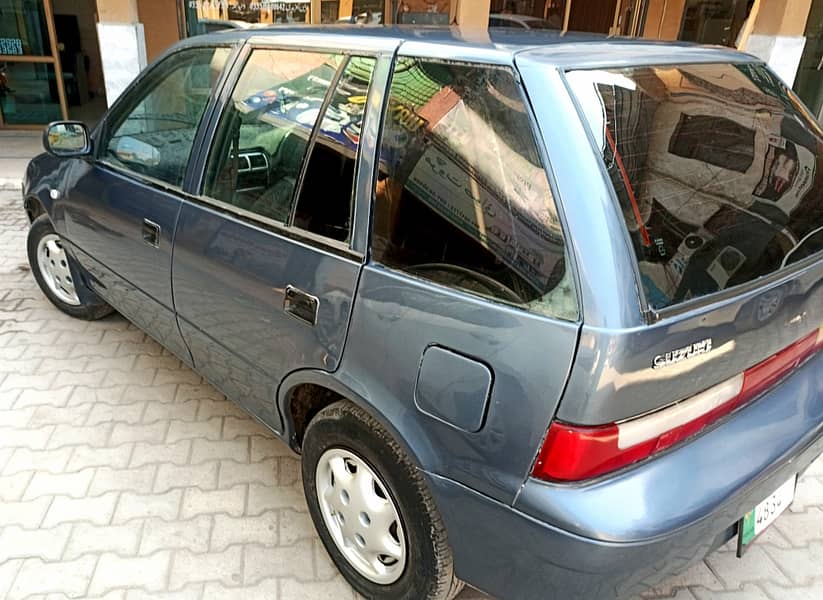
x: 151, y: 233
x: 301, y: 305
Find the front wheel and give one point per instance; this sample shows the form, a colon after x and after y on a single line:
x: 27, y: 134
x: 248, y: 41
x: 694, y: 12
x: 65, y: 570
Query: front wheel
x: 50, y: 265
x: 372, y: 509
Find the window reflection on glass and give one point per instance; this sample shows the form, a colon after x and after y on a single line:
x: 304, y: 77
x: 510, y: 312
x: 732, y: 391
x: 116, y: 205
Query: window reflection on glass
x: 528, y: 14
x: 717, y: 172
x: 154, y: 133
x: 325, y: 203
x: 23, y: 28
x: 28, y: 93
x: 208, y: 16
x: 421, y: 12
x: 462, y: 198
x: 263, y: 136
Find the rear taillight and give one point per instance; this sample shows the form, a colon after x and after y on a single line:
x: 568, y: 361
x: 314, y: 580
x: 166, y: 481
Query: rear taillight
x: 574, y: 453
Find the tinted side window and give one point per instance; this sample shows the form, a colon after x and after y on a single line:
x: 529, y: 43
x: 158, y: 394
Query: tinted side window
x: 154, y: 133
x: 325, y: 202
x: 462, y: 198
x: 263, y: 134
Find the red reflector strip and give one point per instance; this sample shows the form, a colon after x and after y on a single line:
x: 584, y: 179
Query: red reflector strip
x: 574, y: 453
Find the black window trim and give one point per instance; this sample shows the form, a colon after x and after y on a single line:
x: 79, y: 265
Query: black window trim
x: 121, y: 104
x: 537, y: 136
x: 196, y: 186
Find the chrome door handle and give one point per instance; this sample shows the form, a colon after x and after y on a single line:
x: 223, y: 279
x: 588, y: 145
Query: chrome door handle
x: 301, y: 305
x: 151, y: 233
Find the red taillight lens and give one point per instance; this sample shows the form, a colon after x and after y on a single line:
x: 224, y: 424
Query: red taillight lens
x: 575, y: 453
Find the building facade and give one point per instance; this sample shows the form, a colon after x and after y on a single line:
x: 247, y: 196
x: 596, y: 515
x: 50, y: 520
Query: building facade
x: 71, y: 58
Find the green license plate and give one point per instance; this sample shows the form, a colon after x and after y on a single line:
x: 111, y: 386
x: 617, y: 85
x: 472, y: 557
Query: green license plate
x: 764, y: 514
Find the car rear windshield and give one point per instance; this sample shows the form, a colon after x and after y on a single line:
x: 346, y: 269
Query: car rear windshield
x: 717, y: 170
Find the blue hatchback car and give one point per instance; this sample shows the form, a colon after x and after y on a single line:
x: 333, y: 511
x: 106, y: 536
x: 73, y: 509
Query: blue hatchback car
x: 542, y: 314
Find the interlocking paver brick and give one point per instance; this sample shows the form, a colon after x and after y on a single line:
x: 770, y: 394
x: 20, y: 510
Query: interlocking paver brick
x: 138, y: 480
x: 811, y: 592
x: 295, y: 526
x: 27, y: 514
x: 749, y: 592
x: 203, y: 476
x: 85, y: 456
x: 206, y: 450
x: 39, y: 577
x: 260, y: 562
x: 75, y: 484
x: 191, y: 592
x: 86, y: 538
x: 52, y: 397
x: 113, y: 571
x: 232, y: 473
x: 97, y: 510
x: 802, y: 528
x: 800, y: 564
x: 127, y: 432
x: 23, y: 459
x: 265, y: 590
x: 69, y: 435
x: 270, y: 497
x: 299, y: 590
x: 34, y: 439
x: 228, y: 530
x: 52, y: 415
x: 116, y: 413
x: 8, y: 572
x: 47, y: 544
x: 16, y: 418
x: 196, y: 502
x: 197, y: 430
x: 225, y: 567
x: 190, y: 535
x: 809, y: 493
x: 13, y: 486
x: 176, y: 453
x: 132, y: 506
x: 169, y: 411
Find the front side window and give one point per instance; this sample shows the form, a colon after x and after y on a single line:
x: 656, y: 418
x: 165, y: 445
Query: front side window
x: 462, y: 198
x: 717, y: 171
x: 264, y: 133
x: 153, y: 134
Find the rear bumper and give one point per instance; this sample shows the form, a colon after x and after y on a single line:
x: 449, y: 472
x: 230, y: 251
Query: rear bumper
x: 618, y: 536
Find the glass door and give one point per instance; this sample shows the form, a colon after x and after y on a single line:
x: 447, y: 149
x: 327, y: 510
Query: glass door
x: 713, y: 21
x: 31, y: 82
x: 809, y: 81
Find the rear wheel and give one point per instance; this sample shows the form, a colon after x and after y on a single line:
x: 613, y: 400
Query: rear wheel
x: 372, y: 509
x: 50, y: 265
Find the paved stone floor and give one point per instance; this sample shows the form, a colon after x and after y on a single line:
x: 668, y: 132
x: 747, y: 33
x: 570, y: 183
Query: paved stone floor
x: 123, y: 475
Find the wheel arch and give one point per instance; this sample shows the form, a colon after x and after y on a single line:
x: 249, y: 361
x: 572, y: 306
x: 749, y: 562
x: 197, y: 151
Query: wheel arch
x: 302, y: 394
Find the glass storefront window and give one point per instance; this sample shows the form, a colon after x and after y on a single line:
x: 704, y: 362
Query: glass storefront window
x: 421, y: 12
x: 23, y: 28
x: 29, y: 94
x: 528, y: 14
x: 208, y: 16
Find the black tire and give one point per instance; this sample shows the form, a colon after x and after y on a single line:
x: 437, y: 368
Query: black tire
x: 86, y: 310
x: 429, y: 570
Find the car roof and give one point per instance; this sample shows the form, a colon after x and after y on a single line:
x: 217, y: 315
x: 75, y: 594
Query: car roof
x: 564, y: 50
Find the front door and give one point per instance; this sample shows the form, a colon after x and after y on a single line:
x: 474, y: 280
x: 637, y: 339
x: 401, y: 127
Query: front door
x: 264, y: 273
x: 121, y: 209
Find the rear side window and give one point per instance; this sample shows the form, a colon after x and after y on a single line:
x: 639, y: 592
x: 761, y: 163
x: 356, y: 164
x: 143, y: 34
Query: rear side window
x: 716, y: 169
x: 462, y: 198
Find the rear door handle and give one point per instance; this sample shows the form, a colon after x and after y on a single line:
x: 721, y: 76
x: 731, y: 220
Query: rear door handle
x: 151, y: 233
x: 301, y: 305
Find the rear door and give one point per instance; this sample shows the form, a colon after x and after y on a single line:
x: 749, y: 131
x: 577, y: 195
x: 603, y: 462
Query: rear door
x: 121, y: 209
x: 264, y: 267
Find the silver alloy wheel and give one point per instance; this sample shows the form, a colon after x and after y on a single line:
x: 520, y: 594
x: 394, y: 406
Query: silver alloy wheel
x: 361, y: 516
x: 54, y: 267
